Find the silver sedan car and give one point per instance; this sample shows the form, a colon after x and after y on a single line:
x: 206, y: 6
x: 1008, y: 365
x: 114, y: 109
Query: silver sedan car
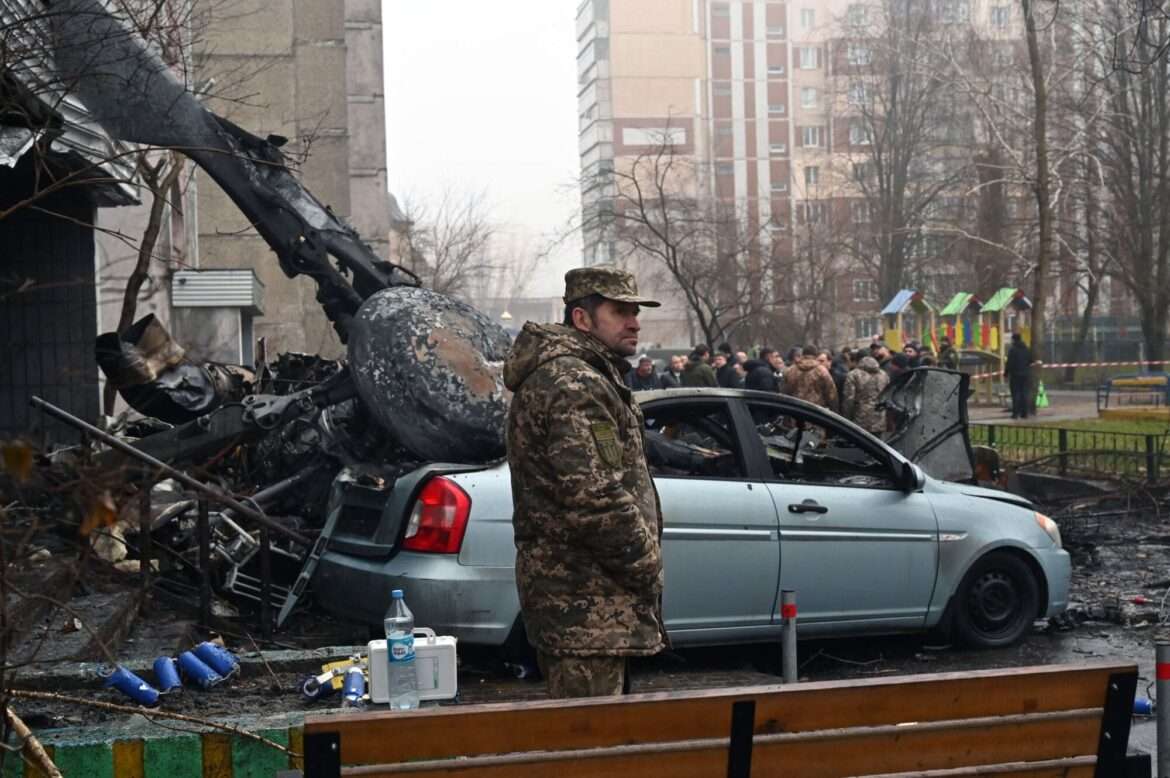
x: 760, y: 493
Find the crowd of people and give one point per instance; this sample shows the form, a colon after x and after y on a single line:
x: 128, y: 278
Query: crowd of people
x: 847, y: 381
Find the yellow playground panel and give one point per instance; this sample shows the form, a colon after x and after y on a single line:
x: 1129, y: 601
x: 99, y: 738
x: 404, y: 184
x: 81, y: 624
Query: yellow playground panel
x: 909, y: 317
x: 960, y: 321
x: 1009, y: 310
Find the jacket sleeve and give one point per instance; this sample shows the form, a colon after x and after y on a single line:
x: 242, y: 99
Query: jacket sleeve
x: 850, y: 396
x: 601, y: 515
x: 829, y: 388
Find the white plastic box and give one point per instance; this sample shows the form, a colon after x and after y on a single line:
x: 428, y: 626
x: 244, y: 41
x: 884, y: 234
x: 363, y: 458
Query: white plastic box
x: 434, y: 663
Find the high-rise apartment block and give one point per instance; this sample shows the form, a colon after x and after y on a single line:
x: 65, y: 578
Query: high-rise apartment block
x: 757, y: 95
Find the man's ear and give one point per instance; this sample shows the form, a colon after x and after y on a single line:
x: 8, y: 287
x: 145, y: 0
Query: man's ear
x: 582, y: 320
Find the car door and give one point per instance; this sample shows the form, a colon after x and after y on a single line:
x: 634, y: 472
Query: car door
x: 720, y: 529
x: 860, y: 552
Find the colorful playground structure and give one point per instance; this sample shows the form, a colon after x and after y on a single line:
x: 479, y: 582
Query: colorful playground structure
x: 976, y: 327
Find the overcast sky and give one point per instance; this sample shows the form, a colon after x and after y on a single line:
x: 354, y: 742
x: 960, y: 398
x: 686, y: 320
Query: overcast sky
x: 482, y: 97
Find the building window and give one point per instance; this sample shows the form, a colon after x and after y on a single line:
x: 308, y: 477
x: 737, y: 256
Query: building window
x: 725, y: 168
x: 776, y: 109
x: 808, y: 18
x: 808, y: 97
x: 810, y: 57
x: 858, y: 93
x: 721, y: 89
x: 776, y: 71
x: 812, y: 137
x: 812, y: 175
x: 859, y: 133
x: 856, y: 54
x: 779, y: 149
x: 780, y: 186
x: 855, y: 15
x: 724, y: 130
x: 867, y: 327
x: 776, y: 32
x: 722, y: 51
x: 999, y: 16
x: 864, y: 291
x: 721, y: 9
x: 811, y: 212
x: 861, y: 212
x: 862, y: 171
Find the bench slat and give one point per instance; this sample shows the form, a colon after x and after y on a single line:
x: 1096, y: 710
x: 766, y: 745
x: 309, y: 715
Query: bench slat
x: 382, y: 737
x: 842, y: 753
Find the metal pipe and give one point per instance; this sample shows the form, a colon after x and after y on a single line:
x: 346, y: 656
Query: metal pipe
x: 788, y: 617
x: 265, y: 585
x: 204, y: 532
x: 178, y: 475
x: 1162, y: 706
x: 145, y: 541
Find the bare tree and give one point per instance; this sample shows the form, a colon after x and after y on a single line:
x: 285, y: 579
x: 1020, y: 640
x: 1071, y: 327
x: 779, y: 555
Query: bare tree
x: 658, y: 209
x: 907, y: 138
x: 1134, y: 153
x: 447, y: 243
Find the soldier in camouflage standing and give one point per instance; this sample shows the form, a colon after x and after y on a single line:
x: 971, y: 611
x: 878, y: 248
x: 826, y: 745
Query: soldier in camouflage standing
x: 586, y: 517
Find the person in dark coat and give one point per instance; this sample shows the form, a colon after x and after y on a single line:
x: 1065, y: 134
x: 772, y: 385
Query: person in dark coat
x: 760, y: 376
x: 839, y: 368
x: 1018, y: 372
x: 725, y: 374
x: 642, y: 378
x: 948, y: 355
x: 671, y: 378
x: 697, y: 372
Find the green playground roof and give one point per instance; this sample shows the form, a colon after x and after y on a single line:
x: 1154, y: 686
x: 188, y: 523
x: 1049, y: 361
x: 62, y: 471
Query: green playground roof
x: 1005, y: 297
x: 958, y: 304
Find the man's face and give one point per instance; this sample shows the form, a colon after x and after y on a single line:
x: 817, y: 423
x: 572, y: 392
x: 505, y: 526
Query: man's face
x: 882, y: 353
x: 676, y: 364
x: 775, y: 361
x: 741, y: 356
x: 645, y: 367
x: 823, y: 359
x: 718, y: 361
x: 910, y: 352
x: 614, y: 324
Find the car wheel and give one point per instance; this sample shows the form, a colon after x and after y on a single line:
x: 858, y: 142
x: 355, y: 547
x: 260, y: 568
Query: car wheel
x: 997, y: 601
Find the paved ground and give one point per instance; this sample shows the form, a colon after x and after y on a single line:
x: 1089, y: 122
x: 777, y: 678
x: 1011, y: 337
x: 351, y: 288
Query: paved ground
x: 1065, y: 405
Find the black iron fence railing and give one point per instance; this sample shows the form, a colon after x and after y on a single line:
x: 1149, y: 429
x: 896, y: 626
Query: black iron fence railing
x: 1129, y: 454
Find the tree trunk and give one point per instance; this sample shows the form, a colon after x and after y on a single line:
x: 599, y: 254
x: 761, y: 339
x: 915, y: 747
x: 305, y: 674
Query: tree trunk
x: 141, y: 273
x: 1042, y: 188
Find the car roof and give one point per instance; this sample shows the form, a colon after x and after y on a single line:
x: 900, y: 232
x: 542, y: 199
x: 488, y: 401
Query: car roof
x: 696, y: 392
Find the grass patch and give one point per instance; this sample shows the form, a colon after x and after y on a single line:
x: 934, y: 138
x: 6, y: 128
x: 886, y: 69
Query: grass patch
x: 1151, y: 427
x: 1109, y: 446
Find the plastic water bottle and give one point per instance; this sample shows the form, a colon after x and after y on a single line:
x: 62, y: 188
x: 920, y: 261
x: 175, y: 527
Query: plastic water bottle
x: 399, y: 624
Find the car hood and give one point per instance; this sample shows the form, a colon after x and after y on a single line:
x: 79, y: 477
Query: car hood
x: 983, y: 493
x: 929, y: 406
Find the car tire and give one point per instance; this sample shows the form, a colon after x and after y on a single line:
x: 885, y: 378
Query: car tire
x: 996, y: 602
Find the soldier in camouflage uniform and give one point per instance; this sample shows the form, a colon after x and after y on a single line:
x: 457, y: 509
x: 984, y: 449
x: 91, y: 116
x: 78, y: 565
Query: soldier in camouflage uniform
x: 586, y: 517
x: 862, y: 387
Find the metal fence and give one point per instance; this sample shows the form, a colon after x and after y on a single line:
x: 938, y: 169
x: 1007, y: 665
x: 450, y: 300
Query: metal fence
x: 1066, y: 451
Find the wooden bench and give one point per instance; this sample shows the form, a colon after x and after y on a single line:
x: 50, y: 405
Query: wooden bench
x: 1061, y: 720
x: 1152, y: 389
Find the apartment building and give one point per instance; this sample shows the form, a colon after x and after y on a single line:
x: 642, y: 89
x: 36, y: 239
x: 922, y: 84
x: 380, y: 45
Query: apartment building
x: 765, y: 98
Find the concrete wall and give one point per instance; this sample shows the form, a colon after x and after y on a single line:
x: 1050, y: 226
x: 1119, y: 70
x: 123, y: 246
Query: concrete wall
x: 309, y: 70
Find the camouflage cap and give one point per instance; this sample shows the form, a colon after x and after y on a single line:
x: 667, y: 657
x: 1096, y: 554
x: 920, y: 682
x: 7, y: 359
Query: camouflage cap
x: 606, y: 280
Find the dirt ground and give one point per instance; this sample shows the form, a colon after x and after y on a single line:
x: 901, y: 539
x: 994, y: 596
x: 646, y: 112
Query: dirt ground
x: 1121, y: 581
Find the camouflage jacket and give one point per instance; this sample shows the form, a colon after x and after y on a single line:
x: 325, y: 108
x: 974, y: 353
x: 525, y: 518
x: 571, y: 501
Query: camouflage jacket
x: 862, y: 387
x: 810, y: 381
x: 586, y: 517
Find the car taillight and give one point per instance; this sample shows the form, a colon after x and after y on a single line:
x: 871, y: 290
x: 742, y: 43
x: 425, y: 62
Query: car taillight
x: 439, y: 518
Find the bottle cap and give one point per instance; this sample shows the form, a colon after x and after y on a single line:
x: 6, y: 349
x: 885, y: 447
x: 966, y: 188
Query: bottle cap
x: 396, y: 594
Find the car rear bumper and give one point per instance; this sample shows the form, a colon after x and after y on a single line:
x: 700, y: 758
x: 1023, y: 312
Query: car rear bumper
x: 476, y: 604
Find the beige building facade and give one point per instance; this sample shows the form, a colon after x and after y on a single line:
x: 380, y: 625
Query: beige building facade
x: 310, y: 71
x: 760, y: 97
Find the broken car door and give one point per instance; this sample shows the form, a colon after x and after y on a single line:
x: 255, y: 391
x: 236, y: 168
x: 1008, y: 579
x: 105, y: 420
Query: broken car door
x: 857, y: 548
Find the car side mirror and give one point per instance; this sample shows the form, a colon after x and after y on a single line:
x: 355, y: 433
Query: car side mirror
x: 911, y: 477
